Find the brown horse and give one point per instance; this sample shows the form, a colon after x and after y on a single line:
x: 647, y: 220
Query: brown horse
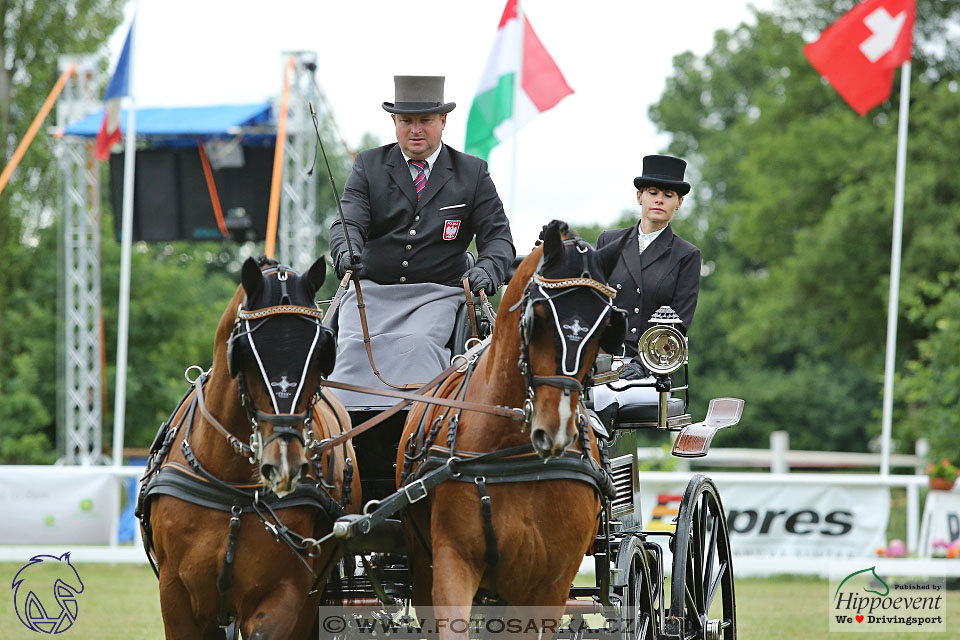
x: 554, y: 315
x: 233, y: 527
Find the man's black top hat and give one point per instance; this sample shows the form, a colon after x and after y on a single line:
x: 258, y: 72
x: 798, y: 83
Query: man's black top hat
x: 418, y: 94
x: 663, y: 171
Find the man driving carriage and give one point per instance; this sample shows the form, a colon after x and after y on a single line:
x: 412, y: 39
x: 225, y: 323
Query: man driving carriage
x: 411, y: 210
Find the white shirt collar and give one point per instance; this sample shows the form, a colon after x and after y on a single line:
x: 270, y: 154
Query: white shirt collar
x: 431, y: 160
x: 644, y: 239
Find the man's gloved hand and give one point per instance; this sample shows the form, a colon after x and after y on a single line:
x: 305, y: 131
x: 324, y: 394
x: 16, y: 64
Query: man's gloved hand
x: 633, y: 370
x: 344, y: 264
x: 480, y: 280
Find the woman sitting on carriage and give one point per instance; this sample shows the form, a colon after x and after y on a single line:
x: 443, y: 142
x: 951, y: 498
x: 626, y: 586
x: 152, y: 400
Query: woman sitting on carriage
x: 657, y: 268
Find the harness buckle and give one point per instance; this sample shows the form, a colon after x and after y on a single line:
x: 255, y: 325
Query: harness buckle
x: 419, y: 488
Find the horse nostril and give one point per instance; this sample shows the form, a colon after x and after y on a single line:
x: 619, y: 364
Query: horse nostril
x: 267, y: 471
x: 304, y: 470
x: 541, y: 441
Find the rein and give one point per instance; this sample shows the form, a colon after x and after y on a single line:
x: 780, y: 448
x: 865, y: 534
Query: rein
x: 408, y: 397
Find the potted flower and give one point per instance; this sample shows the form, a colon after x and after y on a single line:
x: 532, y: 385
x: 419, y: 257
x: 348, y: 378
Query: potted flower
x: 942, y: 475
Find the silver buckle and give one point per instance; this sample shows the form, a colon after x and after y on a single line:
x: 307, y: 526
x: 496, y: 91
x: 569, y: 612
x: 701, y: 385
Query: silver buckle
x: 412, y: 499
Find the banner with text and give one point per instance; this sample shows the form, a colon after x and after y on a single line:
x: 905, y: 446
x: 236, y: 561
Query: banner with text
x: 773, y: 519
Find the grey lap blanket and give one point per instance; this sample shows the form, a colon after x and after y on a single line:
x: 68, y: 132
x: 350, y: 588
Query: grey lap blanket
x: 410, y: 325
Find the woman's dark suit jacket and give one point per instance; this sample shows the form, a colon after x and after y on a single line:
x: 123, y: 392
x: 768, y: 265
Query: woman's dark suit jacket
x: 666, y: 273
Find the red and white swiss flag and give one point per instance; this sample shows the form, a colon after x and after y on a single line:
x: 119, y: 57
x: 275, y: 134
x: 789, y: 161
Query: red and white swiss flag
x: 450, y: 229
x: 859, y: 53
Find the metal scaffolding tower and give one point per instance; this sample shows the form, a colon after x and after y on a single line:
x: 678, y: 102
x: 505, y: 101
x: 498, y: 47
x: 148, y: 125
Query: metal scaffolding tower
x: 79, y: 437
x: 81, y: 396
x: 299, y: 228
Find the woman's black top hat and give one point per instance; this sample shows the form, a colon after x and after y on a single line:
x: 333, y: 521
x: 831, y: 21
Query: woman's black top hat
x: 418, y: 94
x: 663, y: 171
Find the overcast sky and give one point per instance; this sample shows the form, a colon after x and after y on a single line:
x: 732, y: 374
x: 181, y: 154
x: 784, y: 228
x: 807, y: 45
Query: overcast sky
x: 575, y: 162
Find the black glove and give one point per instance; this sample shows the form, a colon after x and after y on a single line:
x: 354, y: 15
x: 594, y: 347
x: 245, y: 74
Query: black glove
x: 344, y: 264
x: 480, y: 280
x: 633, y: 370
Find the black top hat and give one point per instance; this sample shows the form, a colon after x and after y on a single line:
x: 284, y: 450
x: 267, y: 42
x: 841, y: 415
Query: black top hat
x: 663, y: 171
x: 418, y: 94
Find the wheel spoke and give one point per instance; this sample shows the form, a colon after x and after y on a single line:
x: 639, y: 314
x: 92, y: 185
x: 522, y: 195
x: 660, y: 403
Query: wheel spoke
x: 716, y: 583
x: 711, y: 549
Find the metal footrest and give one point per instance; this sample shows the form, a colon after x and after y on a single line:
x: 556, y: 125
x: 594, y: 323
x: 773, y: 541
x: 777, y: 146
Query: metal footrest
x: 694, y: 439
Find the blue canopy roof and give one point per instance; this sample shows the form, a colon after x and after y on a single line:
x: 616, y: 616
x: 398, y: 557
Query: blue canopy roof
x: 164, y: 125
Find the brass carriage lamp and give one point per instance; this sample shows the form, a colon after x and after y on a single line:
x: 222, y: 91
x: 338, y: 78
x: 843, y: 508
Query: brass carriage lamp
x: 663, y: 350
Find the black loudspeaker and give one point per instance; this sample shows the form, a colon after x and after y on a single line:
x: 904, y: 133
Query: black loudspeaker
x: 172, y: 202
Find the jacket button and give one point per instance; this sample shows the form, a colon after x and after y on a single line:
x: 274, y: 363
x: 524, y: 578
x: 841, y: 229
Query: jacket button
x: 417, y: 218
x: 635, y: 309
x: 404, y: 264
x: 634, y: 330
x: 402, y: 279
x: 618, y: 286
x: 413, y: 232
x: 638, y: 289
x: 408, y: 247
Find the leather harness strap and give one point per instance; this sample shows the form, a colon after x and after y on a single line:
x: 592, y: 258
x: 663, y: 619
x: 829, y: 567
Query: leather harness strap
x: 420, y: 395
x: 496, y: 410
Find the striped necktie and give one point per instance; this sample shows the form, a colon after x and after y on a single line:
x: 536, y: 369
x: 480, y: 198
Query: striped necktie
x: 421, y: 180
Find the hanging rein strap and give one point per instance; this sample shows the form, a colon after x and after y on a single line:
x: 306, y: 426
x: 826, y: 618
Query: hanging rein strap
x: 495, y: 410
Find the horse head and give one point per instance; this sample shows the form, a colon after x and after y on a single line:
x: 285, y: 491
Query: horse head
x: 567, y: 316
x: 279, y: 351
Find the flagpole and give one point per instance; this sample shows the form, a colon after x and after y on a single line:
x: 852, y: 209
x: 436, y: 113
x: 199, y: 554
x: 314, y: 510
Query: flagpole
x: 126, y: 242
x: 893, y: 301
x: 517, y: 87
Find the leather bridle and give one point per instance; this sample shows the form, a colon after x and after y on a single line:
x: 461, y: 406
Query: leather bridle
x: 545, y: 290
x: 288, y: 426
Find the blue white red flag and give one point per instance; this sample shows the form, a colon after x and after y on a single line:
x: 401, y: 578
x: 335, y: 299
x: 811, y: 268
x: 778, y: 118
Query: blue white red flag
x: 119, y: 88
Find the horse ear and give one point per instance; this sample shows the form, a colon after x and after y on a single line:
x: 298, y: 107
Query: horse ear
x: 611, y: 253
x: 251, y: 278
x: 552, y: 241
x: 316, y: 275
x: 327, y: 353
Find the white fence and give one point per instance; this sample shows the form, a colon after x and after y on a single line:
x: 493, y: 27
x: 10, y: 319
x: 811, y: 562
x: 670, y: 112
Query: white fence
x: 779, y: 459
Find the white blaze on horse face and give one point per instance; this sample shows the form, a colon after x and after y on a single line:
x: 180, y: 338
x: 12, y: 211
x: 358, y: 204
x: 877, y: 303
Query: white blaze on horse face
x: 563, y: 438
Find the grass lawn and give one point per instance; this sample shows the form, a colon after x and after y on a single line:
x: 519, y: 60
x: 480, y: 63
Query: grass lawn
x: 122, y: 602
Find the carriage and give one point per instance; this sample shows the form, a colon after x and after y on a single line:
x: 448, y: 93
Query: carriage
x: 371, y: 561
x: 629, y: 598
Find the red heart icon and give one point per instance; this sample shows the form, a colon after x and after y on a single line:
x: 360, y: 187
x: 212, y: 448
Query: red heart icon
x: 859, y: 618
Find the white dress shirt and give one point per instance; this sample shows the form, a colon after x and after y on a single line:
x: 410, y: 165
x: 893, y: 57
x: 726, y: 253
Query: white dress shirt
x: 431, y: 159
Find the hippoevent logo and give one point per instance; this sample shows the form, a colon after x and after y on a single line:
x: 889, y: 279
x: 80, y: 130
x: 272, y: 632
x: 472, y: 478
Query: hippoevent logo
x: 865, y: 601
x: 45, y: 593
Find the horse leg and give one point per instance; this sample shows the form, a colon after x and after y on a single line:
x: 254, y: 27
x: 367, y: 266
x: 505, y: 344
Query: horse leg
x: 276, y: 615
x: 176, y: 608
x: 422, y: 592
x: 455, y: 582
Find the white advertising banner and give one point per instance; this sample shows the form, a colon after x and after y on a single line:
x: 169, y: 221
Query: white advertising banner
x: 941, y: 522
x: 785, y: 519
x: 56, y: 505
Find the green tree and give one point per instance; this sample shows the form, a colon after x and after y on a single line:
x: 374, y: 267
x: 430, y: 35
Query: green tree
x: 33, y: 34
x: 793, y: 197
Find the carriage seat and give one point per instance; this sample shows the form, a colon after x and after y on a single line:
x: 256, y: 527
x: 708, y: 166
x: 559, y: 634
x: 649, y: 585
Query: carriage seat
x: 647, y: 412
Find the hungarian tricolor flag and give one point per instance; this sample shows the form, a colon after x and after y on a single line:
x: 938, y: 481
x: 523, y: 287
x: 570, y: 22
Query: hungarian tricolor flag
x: 859, y: 53
x: 119, y: 87
x: 495, y: 115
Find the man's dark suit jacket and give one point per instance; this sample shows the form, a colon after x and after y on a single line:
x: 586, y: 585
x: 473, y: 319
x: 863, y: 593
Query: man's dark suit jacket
x: 404, y: 241
x: 667, y: 272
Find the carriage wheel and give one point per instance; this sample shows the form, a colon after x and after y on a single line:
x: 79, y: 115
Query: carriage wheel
x: 702, y: 604
x: 637, y: 621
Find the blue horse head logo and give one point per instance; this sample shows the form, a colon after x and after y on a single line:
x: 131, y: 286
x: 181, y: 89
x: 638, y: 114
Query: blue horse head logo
x: 32, y: 586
